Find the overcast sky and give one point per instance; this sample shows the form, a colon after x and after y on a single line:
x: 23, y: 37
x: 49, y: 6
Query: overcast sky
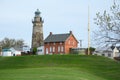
x: 60, y: 16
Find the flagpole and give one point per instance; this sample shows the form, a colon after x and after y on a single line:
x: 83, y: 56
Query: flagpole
x: 88, y: 32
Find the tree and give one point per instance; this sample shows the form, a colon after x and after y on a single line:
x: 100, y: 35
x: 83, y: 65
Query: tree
x: 92, y: 49
x: 34, y: 50
x: 108, y: 31
x: 8, y: 43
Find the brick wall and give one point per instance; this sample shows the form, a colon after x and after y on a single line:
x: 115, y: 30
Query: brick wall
x: 70, y: 43
x: 61, y: 47
x: 55, y: 48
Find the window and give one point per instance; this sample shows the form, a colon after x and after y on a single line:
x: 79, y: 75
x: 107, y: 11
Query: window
x: 73, y: 43
x: 46, y: 50
x: 50, y: 49
x: 62, y: 50
x: 53, y: 43
x: 69, y: 42
x: 53, y: 49
x: 103, y: 54
x: 109, y: 55
x: 40, y: 50
x: 58, y: 48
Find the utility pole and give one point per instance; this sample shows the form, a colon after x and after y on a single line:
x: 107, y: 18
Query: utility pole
x: 80, y: 43
x: 88, y: 33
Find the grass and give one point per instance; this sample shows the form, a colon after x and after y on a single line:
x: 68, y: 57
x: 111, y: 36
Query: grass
x: 59, y: 67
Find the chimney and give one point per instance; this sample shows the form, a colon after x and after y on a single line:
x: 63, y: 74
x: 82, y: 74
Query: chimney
x: 70, y: 32
x: 50, y: 33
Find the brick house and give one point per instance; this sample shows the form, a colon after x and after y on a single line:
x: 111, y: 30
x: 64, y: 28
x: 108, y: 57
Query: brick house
x: 60, y: 43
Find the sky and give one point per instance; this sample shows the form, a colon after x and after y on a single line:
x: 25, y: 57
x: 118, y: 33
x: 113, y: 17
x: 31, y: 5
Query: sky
x: 60, y: 16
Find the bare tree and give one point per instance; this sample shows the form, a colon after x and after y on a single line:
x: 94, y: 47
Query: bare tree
x: 108, y: 31
x: 8, y: 43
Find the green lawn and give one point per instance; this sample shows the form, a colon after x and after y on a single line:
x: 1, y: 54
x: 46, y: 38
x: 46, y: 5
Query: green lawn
x: 59, y: 67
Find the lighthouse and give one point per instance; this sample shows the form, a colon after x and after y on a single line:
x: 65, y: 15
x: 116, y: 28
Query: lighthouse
x: 37, y: 33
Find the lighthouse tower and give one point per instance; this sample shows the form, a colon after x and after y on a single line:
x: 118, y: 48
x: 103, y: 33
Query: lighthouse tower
x: 37, y: 34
